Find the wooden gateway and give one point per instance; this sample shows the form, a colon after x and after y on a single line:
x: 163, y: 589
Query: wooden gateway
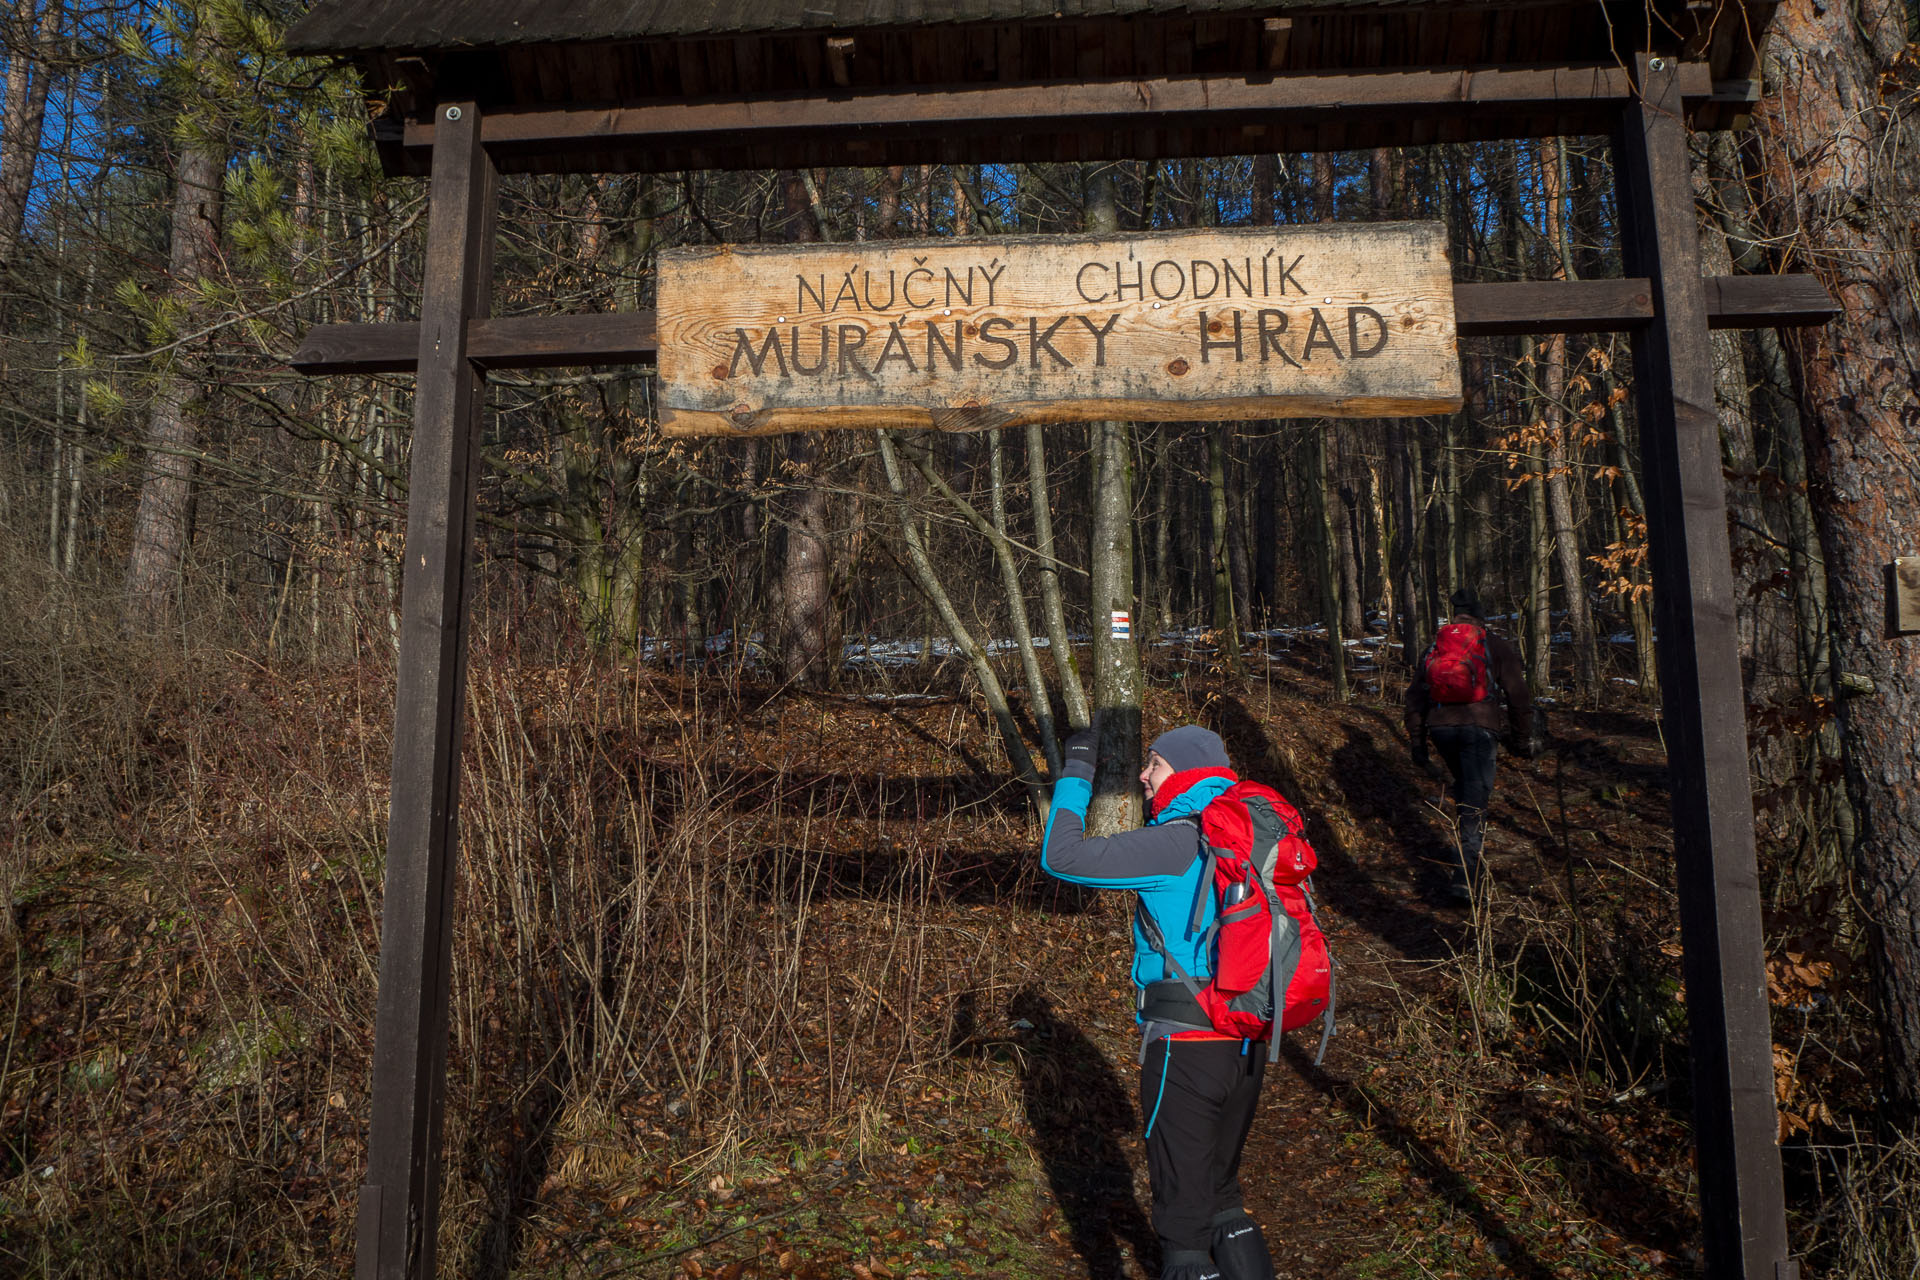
x: 483, y: 87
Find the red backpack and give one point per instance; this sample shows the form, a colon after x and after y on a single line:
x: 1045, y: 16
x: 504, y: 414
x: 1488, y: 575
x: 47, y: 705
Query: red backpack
x: 1457, y: 666
x: 1264, y: 938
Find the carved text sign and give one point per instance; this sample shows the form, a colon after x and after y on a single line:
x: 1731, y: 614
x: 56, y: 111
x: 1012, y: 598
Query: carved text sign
x: 963, y: 334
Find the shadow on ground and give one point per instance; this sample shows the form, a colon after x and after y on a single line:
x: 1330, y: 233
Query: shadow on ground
x: 1083, y: 1122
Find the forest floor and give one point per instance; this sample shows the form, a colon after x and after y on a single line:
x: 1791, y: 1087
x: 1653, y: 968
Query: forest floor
x: 1504, y: 1096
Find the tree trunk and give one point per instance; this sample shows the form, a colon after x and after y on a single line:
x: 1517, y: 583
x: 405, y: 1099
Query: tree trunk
x: 1451, y: 510
x: 1117, y: 683
x: 1266, y: 533
x: 1785, y: 435
x: 1390, y: 597
x: 1348, y: 548
x: 25, y: 110
x: 1539, y: 580
x: 1059, y: 639
x: 995, y: 532
x: 806, y: 571
x: 172, y: 435
x: 1634, y: 508
x: 1414, y: 620
x: 1318, y: 482
x: 1162, y: 540
x: 1237, y: 545
x: 1559, y: 429
x: 1226, y: 621
x: 1840, y: 171
x: 920, y: 567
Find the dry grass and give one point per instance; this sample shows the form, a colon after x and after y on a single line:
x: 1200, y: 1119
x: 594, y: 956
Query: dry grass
x: 670, y: 932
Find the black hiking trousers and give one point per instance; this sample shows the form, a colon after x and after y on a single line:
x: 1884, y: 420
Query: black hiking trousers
x: 1469, y: 752
x: 1199, y: 1098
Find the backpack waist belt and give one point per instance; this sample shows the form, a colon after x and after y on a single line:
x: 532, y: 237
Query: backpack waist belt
x: 1170, y: 1002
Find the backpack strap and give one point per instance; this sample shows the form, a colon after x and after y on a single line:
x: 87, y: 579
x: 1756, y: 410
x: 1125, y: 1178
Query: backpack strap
x: 1326, y: 1019
x: 1206, y: 891
x: 1150, y: 928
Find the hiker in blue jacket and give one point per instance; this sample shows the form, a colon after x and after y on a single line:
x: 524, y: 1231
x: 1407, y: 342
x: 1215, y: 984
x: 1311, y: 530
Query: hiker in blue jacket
x: 1198, y: 1088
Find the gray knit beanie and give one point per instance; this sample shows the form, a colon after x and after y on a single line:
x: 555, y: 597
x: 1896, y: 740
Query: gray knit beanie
x: 1191, y: 747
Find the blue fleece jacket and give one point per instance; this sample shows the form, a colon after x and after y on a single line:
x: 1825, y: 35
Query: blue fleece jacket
x: 1162, y: 861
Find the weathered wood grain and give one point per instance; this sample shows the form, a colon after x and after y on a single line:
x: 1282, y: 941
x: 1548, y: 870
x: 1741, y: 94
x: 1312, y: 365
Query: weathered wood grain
x: 960, y: 335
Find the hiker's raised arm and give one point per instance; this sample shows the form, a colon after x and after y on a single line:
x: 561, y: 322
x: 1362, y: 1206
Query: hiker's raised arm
x: 1139, y: 859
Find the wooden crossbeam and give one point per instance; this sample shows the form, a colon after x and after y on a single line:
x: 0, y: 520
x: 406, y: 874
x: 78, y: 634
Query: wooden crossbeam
x: 1529, y: 306
x: 510, y: 342
x: 730, y: 127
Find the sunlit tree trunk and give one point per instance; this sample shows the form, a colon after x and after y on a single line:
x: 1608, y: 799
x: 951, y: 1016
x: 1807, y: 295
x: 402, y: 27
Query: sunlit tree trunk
x: 920, y: 568
x: 1539, y: 578
x: 1559, y: 428
x: 173, y: 426
x: 1117, y: 682
x: 1059, y: 639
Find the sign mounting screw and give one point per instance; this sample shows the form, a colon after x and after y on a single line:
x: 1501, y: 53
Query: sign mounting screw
x: 1656, y: 64
x: 453, y: 113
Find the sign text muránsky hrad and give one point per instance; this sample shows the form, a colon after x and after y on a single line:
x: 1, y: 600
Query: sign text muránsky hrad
x: 970, y: 333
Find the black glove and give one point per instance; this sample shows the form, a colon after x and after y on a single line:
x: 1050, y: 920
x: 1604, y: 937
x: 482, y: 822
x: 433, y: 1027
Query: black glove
x: 1077, y: 755
x: 1527, y: 747
x: 1419, y: 752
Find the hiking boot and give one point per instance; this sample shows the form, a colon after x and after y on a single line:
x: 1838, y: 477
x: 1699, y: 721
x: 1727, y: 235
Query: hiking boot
x: 1239, y: 1250
x: 1188, y: 1264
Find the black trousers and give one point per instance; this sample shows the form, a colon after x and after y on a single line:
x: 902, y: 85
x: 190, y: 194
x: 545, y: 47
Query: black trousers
x: 1468, y: 751
x: 1199, y: 1098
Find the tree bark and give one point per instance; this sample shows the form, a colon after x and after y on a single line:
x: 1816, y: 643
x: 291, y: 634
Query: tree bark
x: 1406, y: 472
x: 1539, y: 579
x: 1117, y: 683
x: 1318, y: 483
x: 1559, y: 427
x: 173, y: 422
x: 21, y: 118
x: 920, y: 568
x: 1059, y: 639
x: 806, y: 571
x: 1839, y: 170
x: 1226, y: 621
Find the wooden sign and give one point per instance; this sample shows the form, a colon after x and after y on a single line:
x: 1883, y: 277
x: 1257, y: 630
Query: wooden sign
x: 1341, y: 320
x: 1903, y: 596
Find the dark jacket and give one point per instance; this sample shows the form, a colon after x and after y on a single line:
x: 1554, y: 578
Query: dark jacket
x: 1509, y: 680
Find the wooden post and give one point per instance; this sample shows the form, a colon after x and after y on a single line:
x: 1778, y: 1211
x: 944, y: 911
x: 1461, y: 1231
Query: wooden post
x: 1734, y: 1121
x: 399, y: 1205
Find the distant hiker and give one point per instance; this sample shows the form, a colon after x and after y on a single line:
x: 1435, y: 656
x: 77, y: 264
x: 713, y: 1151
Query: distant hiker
x: 1454, y: 701
x: 1220, y: 926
